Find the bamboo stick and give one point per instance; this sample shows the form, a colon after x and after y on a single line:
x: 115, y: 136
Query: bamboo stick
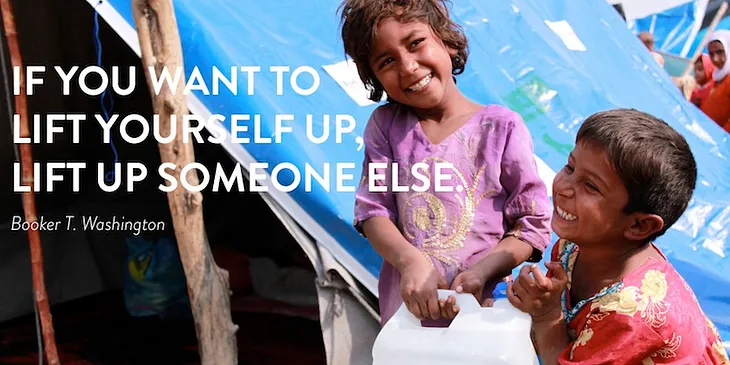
x: 711, y: 28
x: 207, y: 283
x: 29, y: 206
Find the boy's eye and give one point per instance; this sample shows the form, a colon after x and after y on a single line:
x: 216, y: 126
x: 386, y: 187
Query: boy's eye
x: 568, y: 168
x: 417, y: 42
x: 591, y: 186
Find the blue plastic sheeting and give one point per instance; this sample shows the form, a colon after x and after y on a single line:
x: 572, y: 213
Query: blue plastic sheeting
x: 673, y: 29
x: 516, y: 59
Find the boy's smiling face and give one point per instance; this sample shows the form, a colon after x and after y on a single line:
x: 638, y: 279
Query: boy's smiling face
x: 589, y: 199
x: 411, y: 63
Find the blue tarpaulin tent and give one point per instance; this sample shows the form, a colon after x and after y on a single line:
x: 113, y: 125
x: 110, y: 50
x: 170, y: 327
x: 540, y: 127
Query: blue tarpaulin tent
x: 679, y: 29
x: 674, y: 28
x: 722, y: 24
x: 553, y: 61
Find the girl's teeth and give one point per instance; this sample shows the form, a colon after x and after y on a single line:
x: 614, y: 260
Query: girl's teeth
x: 421, y: 84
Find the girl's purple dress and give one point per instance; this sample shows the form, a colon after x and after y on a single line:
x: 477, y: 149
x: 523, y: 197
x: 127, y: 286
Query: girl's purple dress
x: 496, y: 191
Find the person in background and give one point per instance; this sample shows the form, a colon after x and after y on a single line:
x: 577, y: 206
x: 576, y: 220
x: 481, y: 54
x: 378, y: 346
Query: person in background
x: 497, y: 214
x: 610, y: 296
x: 648, y: 40
x: 717, y: 104
x: 620, y: 10
x: 703, y: 78
x: 686, y: 84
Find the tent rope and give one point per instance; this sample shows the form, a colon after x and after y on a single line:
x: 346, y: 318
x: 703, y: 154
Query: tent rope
x: 106, y: 97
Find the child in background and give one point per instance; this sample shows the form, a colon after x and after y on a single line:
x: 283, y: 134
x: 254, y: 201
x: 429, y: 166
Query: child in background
x: 648, y: 40
x: 498, y: 213
x: 610, y: 296
x: 703, y: 77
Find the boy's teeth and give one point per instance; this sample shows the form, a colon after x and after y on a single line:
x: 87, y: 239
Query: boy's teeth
x: 421, y: 84
x: 565, y: 215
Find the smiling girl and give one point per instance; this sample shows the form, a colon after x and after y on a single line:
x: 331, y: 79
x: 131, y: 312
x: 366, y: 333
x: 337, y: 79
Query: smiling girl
x: 497, y: 215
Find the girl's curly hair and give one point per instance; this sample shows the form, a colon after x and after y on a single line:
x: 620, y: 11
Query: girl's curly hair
x: 360, y: 19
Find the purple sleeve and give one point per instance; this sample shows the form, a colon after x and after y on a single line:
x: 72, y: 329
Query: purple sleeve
x: 369, y: 203
x: 527, y: 208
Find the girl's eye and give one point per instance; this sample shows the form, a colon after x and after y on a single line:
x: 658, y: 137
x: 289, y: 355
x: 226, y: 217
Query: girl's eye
x: 568, y: 168
x: 386, y: 62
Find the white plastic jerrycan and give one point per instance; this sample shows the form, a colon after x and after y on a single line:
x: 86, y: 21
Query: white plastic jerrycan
x: 499, y: 335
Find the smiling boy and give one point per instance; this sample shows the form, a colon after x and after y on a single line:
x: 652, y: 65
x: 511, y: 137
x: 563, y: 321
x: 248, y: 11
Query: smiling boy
x: 610, y: 295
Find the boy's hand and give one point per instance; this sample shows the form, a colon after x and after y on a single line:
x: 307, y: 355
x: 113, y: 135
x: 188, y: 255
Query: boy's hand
x: 449, y: 309
x: 538, y: 295
x: 419, y: 284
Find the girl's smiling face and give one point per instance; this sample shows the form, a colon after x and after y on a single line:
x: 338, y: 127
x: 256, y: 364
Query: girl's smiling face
x: 700, y: 76
x: 412, y: 64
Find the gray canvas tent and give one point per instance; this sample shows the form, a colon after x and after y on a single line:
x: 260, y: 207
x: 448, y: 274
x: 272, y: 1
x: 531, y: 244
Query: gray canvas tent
x: 79, y: 264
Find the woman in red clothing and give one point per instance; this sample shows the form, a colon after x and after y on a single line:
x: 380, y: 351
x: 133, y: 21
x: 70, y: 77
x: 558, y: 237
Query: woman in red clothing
x: 703, y: 76
x: 717, y: 104
x: 610, y: 295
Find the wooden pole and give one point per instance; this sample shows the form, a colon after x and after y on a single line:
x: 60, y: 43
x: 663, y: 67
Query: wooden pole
x: 207, y: 283
x: 711, y: 28
x: 29, y: 207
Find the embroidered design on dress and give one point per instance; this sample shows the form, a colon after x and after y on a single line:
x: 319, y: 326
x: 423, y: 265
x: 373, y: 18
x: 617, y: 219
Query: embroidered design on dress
x: 568, y: 255
x: 668, y: 351
x: 582, y: 339
x: 443, y: 235
x: 532, y: 207
x: 670, y: 347
x: 648, y: 300
x: 717, y: 346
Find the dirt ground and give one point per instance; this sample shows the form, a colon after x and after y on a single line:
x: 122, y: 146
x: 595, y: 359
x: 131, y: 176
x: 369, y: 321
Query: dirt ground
x: 98, y: 330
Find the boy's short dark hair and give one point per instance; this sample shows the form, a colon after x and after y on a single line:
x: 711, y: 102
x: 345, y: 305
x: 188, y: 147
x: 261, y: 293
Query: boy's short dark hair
x: 652, y: 159
x: 360, y: 19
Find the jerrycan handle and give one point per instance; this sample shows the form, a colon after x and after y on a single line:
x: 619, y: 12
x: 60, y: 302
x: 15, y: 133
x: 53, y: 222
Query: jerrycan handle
x: 404, y: 318
x: 467, y: 302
